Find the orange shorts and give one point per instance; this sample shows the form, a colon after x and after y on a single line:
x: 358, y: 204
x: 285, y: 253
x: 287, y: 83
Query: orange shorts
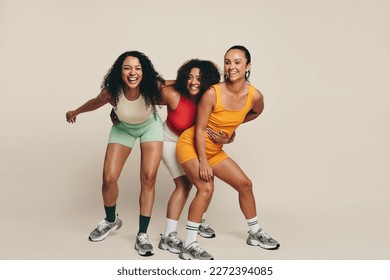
x: 185, y: 149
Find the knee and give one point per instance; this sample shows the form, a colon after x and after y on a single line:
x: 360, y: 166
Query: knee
x: 109, y: 181
x: 206, y: 191
x: 148, y: 179
x: 245, y: 186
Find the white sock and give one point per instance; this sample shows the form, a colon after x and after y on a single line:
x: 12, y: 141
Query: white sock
x: 192, y: 232
x: 171, y: 226
x: 253, y: 224
x: 204, y: 216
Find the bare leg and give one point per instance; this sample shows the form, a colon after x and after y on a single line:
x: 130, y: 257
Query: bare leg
x: 178, y: 198
x: 204, y: 192
x: 114, y: 161
x: 229, y: 172
x: 150, y: 160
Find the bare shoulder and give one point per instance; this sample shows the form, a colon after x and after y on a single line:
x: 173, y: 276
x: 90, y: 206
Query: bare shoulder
x: 105, y: 93
x: 258, y: 101
x: 169, y: 92
x: 209, y: 96
x: 257, y: 96
x: 105, y: 97
x: 170, y: 96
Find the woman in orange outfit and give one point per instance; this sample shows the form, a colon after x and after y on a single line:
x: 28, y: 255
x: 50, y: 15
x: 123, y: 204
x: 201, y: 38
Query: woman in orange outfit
x: 222, y: 108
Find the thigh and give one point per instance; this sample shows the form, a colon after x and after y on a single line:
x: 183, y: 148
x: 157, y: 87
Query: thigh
x: 191, y: 168
x: 115, y: 158
x: 231, y: 173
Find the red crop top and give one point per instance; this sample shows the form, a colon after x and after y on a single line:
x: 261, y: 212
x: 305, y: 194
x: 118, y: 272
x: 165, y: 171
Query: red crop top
x: 182, y: 117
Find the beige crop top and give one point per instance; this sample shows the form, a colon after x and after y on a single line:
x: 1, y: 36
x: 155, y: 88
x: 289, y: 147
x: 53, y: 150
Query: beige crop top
x: 132, y: 112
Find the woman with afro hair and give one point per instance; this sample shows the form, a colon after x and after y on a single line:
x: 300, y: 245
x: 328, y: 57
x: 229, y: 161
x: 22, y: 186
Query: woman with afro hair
x: 132, y: 86
x: 194, y: 77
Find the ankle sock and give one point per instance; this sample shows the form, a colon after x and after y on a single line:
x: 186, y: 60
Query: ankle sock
x: 143, y: 224
x: 253, y: 224
x: 192, y: 232
x: 170, y: 227
x: 110, y: 213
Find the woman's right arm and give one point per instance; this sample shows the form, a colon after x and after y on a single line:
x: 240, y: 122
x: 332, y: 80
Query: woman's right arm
x: 205, y: 107
x: 103, y: 98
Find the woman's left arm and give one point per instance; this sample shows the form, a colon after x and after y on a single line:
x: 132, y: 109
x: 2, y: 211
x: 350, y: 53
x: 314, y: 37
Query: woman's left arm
x: 257, y: 107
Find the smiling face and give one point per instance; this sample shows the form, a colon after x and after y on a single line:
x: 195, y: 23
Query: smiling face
x: 132, y: 72
x: 235, y: 65
x: 193, y: 82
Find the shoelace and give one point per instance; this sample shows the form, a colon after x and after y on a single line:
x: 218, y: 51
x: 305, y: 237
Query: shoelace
x: 197, y: 247
x: 264, y: 234
x: 143, y: 239
x: 102, y: 224
x: 176, y: 239
x: 205, y: 225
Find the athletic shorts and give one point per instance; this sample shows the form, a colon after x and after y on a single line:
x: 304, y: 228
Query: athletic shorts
x: 126, y: 134
x: 169, y: 153
x: 186, y: 151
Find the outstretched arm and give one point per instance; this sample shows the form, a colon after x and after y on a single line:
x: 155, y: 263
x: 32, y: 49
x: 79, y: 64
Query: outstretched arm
x: 257, y: 107
x: 205, y: 106
x: 103, y: 98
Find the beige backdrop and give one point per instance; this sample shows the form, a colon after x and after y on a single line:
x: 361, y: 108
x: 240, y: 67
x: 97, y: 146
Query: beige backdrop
x: 319, y: 155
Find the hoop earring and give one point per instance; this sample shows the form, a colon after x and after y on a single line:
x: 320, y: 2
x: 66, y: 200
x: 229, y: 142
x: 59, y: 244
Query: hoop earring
x: 247, y: 75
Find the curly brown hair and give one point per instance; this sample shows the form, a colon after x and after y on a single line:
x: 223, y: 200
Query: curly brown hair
x: 149, y: 86
x: 209, y: 75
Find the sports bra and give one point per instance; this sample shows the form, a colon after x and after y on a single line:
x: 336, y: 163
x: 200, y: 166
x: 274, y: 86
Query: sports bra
x: 132, y: 111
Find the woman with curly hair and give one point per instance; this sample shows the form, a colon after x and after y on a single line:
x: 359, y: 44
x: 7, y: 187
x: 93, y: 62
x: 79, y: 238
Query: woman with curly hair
x: 132, y: 87
x: 223, y: 107
x: 194, y: 77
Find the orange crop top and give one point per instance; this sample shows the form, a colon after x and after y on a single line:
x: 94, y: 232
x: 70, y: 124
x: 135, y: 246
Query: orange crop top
x: 182, y: 117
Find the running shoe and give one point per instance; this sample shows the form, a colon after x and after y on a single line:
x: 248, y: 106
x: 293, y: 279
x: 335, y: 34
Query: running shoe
x: 172, y: 243
x: 143, y: 245
x: 104, y: 228
x: 194, y: 252
x: 262, y: 239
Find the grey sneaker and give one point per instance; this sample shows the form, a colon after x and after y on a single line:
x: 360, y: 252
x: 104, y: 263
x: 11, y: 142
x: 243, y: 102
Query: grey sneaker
x: 172, y: 243
x: 205, y: 230
x: 262, y: 239
x: 143, y: 245
x: 194, y: 252
x: 104, y: 228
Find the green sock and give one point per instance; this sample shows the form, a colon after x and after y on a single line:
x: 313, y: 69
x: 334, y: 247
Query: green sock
x: 110, y: 213
x: 143, y: 223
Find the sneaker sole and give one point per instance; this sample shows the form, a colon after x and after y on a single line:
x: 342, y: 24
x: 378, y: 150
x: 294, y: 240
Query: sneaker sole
x: 163, y: 246
x: 187, y: 257
x: 104, y: 235
x: 206, y: 235
x: 253, y: 242
x: 143, y: 253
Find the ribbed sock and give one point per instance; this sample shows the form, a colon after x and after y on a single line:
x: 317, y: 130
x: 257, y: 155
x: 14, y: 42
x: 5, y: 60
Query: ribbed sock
x: 253, y: 224
x: 170, y: 227
x: 192, y: 232
x: 110, y: 213
x: 143, y: 223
